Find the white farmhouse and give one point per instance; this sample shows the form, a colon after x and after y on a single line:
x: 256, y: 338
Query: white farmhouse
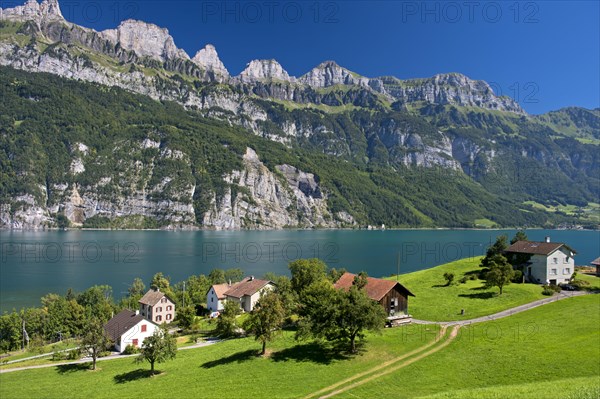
x: 215, y: 297
x: 129, y: 328
x: 549, y: 262
x: 247, y: 292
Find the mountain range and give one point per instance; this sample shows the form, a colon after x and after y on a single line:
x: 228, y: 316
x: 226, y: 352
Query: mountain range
x: 121, y: 128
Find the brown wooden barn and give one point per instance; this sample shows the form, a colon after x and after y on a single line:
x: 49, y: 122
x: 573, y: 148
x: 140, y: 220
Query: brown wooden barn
x: 392, y: 295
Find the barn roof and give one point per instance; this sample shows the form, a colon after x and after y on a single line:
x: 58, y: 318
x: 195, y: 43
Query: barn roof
x: 376, y: 288
x: 121, y: 323
x: 248, y: 286
x: 536, y: 247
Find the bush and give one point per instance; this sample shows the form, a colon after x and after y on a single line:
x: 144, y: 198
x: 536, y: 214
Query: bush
x: 472, y: 277
x: 463, y: 280
x: 449, y: 277
x: 130, y: 350
x: 550, y: 289
x: 518, y: 278
x: 580, y: 284
x: 546, y: 290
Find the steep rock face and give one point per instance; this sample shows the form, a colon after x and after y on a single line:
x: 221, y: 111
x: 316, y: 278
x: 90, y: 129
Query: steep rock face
x: 329, y: 73
x: 48, y: 10
x: 453, y: 88
x: 146, y: 40
x: 208, y: 59
x: 258, y: 70
x: 257, y: 198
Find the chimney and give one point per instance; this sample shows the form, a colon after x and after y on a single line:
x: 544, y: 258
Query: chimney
x: 137, y: 312
x: 547, y: 239
x: 251, y: 278
x: 229, y: 283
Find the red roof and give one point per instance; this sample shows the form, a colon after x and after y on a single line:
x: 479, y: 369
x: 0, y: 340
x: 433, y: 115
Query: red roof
x: 536, y: 248
x: 220, y: 289
x: 376, y: 288
x: 248, y: 286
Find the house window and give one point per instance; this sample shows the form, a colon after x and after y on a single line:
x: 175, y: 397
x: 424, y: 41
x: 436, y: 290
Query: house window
x: 212, y: 299
x: 169, y: 316
x: 159, y: 309
x: 169, y: 307
x: 158, y: 318
x: 567, y: 270
x: 164, y: 300
x: 555, y: 260
x: 566, y: 259
x: 143, y: 328
x: 135, y: 342
x: 553, y: 271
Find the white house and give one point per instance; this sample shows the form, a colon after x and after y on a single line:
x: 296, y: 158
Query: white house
x: 247, y: 292
x: 215, y: 297
x: 549, y: 262
x: 129, y: 328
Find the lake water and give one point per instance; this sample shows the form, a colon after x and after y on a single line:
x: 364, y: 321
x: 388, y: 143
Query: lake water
x: 35, y: 263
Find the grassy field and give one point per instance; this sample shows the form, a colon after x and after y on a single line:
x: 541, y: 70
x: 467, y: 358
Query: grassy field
x: 227, y: 369
x: 434, y: 301
x: 570, y: 388
x: 593, y: 280
x: 555, y: 344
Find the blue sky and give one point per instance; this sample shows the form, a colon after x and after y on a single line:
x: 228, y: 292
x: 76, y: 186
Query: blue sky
x: 545, y: 54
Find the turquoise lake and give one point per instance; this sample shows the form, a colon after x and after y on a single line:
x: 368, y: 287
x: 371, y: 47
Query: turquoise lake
x: 35, y: 263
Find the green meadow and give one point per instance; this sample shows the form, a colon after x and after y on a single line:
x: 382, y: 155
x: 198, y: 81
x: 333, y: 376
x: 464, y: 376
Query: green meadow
x: 436, y: 302
x: 547, y: 352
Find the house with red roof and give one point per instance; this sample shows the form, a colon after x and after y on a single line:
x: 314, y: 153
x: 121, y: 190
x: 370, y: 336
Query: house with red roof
x: 596, y: 262
x: 549, y: 262
x: 390, y: 294
x: 246, y: 292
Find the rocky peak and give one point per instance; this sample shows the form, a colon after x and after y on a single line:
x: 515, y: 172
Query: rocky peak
x: 330, y: 73
x: 48, y: 10
x: 258, y: 70
x: 146, y: 40
x: 208, y: 59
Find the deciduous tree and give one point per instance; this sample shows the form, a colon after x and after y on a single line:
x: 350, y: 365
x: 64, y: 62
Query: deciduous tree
x: 95, y: 340
x: 158, y: 348
x: 500, y: 273
x: 266, y: 319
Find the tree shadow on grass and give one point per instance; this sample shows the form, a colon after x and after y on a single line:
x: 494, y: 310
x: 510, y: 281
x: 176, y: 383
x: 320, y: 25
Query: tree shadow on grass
x: 439, y: 286
x: 134, y: 375
x: 479, y: 295
x: 235, y: 358
x: 71, y: 368
x: 315, y: 352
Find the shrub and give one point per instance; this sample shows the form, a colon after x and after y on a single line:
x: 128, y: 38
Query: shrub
x: 580, y: 284
x: 472, y: 277
x: 546, y: 290
x: 518, y: 278
x: 463, y: 280
x: 449, y: 277
x: 130, y: 350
